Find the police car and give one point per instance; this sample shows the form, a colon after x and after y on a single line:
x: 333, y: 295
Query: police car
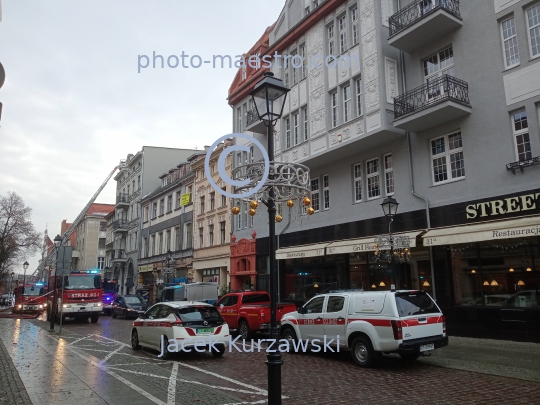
x: 369, y: 324
x: 181, y: 326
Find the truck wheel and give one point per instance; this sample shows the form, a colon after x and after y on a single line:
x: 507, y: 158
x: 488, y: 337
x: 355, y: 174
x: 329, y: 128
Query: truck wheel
x: 409, y: 356
x: 290, y: 336
x: 135, y: 340
x: 244, y: 330
x: 94, y: 318
x: 218, y: 350
x: 362, y: 352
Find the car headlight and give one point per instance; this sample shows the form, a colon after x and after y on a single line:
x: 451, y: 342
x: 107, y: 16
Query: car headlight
x: 19, y: 306
x: 45, y: 304
x: 98, y: 304
x: 41, y: 307
x: 66, y: 305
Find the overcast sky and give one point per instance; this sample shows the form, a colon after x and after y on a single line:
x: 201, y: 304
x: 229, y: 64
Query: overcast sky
x: 74, y: 103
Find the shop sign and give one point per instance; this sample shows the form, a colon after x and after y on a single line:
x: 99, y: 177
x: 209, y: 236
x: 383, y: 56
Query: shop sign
x: 492, y: 208
x: 146, y: 267
x: 185, y: 199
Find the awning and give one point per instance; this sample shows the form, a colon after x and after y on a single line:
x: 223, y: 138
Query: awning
x: 364, y: 244
x: 301, y: 251
x: 495, y: 230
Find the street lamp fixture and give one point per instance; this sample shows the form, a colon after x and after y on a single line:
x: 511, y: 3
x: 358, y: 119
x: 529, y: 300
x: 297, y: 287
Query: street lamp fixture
x: 25, y: 266
x: 54, y: 307
x: 269, y: 96
x: 57, y: 241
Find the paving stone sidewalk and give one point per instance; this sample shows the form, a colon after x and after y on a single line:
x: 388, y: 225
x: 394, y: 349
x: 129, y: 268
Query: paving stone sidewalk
x: 12, y: 390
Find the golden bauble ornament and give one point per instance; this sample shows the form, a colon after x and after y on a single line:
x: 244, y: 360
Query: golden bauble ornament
x: 306, y: 201
x: 279, y: 218
x: 235, y: 210
x: 310, y: 211
x: 253, y: 204
x: 290, y: 203
x: 252, y: 212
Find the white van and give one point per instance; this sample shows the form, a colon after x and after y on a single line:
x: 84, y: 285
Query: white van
x: 201, y: 292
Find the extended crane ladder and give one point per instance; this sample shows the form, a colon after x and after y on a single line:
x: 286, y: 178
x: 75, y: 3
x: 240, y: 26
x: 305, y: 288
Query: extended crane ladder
x: 51, y: 257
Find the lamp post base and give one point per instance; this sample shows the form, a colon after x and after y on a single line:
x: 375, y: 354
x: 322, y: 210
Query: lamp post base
x: 274, y: 363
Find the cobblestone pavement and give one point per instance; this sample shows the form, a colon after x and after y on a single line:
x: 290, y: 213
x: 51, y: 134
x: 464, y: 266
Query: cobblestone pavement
x: 12, y: 389
x: 468, y: 371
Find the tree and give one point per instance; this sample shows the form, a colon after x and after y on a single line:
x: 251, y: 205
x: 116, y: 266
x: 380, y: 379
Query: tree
x: 18, y: 238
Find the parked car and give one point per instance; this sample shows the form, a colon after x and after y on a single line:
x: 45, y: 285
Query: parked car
x: 249, y: 312
x: 523, y: 299
x: 201, y: 292
x: 128, y: 306
x: 369, y: 323
x: 187, y: 323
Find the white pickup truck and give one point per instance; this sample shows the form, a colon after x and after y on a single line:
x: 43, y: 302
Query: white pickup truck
x: 370, y: 323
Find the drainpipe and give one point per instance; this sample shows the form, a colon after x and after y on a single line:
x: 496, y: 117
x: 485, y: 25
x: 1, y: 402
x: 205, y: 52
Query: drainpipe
x: 277, y: 247
x: 411, y: 175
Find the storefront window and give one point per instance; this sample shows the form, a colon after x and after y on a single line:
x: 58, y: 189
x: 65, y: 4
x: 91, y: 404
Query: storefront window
x: 502, y: 273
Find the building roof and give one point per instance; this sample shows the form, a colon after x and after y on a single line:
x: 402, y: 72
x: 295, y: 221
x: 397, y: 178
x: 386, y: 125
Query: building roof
x: 100, y: 209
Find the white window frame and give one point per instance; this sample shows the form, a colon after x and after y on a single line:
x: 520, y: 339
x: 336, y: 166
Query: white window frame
x: 303, y: 70
x: 358, y: 88
x: 201, y: 237
x: 373, y: 175
x: 296, y: 126
x: 334, y: 105
x: 306, y: 123
x: 354, y: 26
x: 521, y: 132
x: 287, y: 132
x: 357, y: 182
x: 510, y: 39
x: 315, y: 194
x: 331, y: 35
x: 326, y: 191
x: 534, y: 27
x: 342, y: 25
x: 286, y: 70
x: 188, y: 235
x: 446, y: 155
x: 389, y: 174
x: 449, y: 69
x: 347, y: 103
x: 294, y: 71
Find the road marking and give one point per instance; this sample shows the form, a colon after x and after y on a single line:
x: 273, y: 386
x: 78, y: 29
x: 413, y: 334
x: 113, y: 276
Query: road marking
x: 171, y: 392
x: 136, y: 372
x: 107, y: 357
x: 220, y: 388
x: 78, y: 340
x: 113, y: 374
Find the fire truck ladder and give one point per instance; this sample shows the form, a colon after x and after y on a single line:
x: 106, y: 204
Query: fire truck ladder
x: 51, y: 257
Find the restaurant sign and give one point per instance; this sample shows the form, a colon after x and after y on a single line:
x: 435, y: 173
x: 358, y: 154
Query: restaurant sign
x: 521, y: 203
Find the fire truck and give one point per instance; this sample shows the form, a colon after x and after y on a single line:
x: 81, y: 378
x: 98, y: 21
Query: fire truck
x: 109, y: 291
x: 30, y: 298
x: 81, y: 298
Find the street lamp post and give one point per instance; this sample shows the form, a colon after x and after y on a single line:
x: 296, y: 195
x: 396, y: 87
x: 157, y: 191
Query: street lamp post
x: 390, y: 206
x: 57, y: 243
x: 269, y: 96
x: 25, y: 267
x: 11, y: 288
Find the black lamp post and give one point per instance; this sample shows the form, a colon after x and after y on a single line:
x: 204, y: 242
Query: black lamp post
x: 390, y: 206
x: 168, y: 262
x: 269, y: 97
x: 11, y: 288
x: 54, y: 306
x: 25, y: 267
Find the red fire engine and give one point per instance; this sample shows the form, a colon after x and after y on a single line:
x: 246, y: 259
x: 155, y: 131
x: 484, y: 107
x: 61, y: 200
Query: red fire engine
x: 81, y: 298
x: 30, y: 298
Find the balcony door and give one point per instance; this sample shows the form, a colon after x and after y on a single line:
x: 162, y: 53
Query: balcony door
x: 435, y: 67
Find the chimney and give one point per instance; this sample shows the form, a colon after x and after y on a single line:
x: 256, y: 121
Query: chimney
x: 206, y: 147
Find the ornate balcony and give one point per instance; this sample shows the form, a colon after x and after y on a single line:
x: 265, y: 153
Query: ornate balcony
x: 120, y: 225
x: 118, y: 255
x: 441, y: 100
x: 422, y: 21
x: 122, y: 200
x: 522, y: 164
x: 253, y: 123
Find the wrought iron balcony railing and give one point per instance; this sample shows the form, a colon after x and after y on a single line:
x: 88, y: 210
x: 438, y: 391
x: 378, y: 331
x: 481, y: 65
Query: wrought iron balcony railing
x: 434, y: 92
x: 522, y: 164
x: 120, y: 224
x: 251, y: 117
x: 122, y: 198
x: 418, y: 10
x: 118, y: 254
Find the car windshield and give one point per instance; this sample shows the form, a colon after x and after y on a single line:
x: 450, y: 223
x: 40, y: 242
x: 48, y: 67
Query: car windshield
x: 134, y: 300
x: 415, y: 303
x: 33, y: 291
x: 108, y: 286
x: 80, y: 283
x: 254, y: 298
x: 205, y: 313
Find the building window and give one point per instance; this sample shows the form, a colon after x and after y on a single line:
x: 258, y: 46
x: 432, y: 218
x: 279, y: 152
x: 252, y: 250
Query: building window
x: 169, y: 203
x: 533, y: 20
x: 447, y: 152
x: 355, y: 31
x: 347, y: 110
x: 224, y: 197
x: 212, y: 200
x: 138, y: 182
x: 188, y: 242
x: 359, y: 97
x: 372, y: 172
x: 331, y: 39
x: 100, y: 263
x: 239, y: 119
x: 286, y: 70
x: 161, y: 206
x: 307, y: 9
x: 167, y: 241
x: 154, y: 210
x: 146, y: 213
x: 144, y: 252
x: 326, y: 191
x: 293, y: 69
x: 202, y: 204
x: 334, y: 100
x: 178, y: 244
x: 389, y: 174
x: 342, y: 22
x: 222, y: 232
x: 442, y: 63
x: 153, y: 246
x: 358, y: 182
x: 521, y: 136
x: 201, y: 237
x: 287, y: 133
x: 315, y: 194
x: 303, y: 70
x: 306, y: 123
x: 511, y: 52
x: 128, y: 193
x: 160, y: 243
x: 178, y: 198
x: 296, y: 128
x: 211, y: 234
